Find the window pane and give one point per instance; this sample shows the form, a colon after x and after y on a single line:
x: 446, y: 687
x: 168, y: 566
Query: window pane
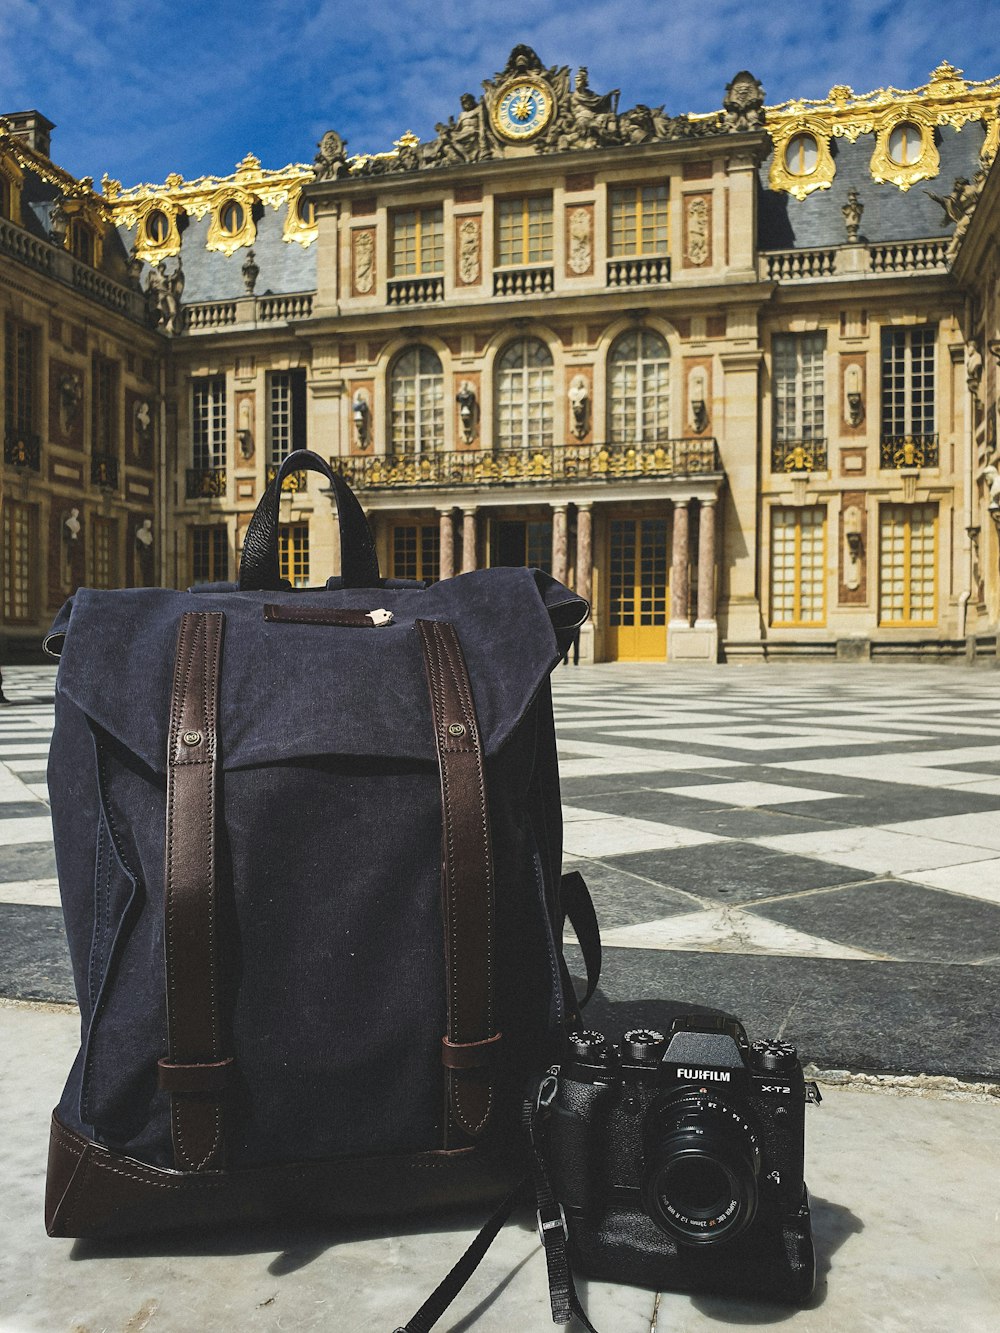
x: 639, y: 389
x: 524, y: 396
x: 907, y: 564
x: 208, y: 421
x: 416, y: 402
x: 798, y: 369
x: 798, y: 566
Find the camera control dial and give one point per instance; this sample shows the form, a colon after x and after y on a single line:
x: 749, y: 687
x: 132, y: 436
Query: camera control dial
x: 774, y: 1056
x: 588, y: 1045
x: 643, y: 1044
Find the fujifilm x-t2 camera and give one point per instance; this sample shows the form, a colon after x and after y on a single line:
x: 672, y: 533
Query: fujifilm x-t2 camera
x: 678, y: 1160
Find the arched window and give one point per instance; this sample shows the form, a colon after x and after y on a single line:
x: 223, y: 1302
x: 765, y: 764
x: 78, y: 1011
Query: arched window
x: 524, y: 396
x: 416, y: 402
x: 638, y: 389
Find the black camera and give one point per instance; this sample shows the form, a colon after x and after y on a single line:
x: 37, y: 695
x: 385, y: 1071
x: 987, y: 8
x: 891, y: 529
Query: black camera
x: 678, y: 1160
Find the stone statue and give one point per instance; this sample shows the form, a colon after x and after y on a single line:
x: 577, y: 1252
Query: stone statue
x: 579, y: 402
x: 956, y: 205
x: 73, y: 525
x: 992, y: 478
x: 58, y: 223
x: 468, y: 410
x: 331, y: 160
x: 163, y: 296
x: 143, y: 419
x: 461, y: 140
x: 250, y: 271
x: 133, y: 267
x: 852, y: 211
x: 973, y: 367
x: 595, y: 115
x: 144, y: 535
x: 70, y: 399
x: 743, y: 104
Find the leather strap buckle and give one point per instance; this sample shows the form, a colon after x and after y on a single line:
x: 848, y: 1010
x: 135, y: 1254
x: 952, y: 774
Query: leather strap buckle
x: 549, y: 1226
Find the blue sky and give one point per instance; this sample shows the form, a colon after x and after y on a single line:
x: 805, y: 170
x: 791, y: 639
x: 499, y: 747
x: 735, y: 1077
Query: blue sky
x: 140, y: 88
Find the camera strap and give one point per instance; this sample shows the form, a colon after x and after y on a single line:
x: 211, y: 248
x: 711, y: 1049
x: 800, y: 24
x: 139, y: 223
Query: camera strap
x: 552, y: 1230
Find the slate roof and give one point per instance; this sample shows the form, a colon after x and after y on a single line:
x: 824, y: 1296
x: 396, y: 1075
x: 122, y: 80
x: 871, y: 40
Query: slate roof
x: 891, y: 214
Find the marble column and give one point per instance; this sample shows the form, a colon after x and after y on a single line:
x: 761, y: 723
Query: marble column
x: 706, y: 563
x: 560, y: 554
x: 584, y: 551
x: 679, y: 567
x: 447, y: 544
x: 468, y: 539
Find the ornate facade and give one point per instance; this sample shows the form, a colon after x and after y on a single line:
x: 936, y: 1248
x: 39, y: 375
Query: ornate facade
x: 722, y: 373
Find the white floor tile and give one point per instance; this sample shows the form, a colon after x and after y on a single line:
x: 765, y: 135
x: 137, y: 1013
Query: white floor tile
x: 609, y: 835
x: 31, y: 892
x: 727, y: 930
x: 976, y: 830
x: 14, y: 832
x: 879, y: 850
x: 977, y: 879
x: 752, y: 793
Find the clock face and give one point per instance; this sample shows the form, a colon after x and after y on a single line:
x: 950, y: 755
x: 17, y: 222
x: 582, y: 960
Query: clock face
x: 523, y: 110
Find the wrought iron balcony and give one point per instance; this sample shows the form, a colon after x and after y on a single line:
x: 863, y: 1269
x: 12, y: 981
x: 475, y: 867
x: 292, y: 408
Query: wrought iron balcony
x: 638, y: 272
x: 798, y: 456
x: 523, y: 281
x: 205, y: 483
x: 899, y: 451
x: 509, y: 467
x: 415, y: 291
x: 294, y: 481
x: 23, y: 449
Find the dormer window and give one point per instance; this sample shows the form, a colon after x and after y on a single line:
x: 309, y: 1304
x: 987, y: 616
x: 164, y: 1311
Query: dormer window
x: 906, y: 144
x: 157, y: 226
x: 802, y: 155
x: 81, y: 241
x: 231, y: 218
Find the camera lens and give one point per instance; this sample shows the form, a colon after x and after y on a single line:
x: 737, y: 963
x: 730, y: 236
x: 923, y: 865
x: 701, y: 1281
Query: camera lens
x: 702, y: 1163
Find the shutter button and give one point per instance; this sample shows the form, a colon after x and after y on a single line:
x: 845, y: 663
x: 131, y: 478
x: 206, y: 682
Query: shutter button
x: 191, y: 738
x: 456, y: 729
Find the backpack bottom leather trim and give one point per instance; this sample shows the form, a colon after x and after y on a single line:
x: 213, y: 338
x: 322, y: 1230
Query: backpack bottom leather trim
x: 93, y: 1192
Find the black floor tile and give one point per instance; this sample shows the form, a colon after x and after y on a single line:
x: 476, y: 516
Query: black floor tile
x: 735, y: 872
x: 904, y: 921
x: 27, y: 860
x: 34, y: 959
x: 20, y: 810
x: 740, y: 822
x: 624, y: 899
x: 899, y: 1018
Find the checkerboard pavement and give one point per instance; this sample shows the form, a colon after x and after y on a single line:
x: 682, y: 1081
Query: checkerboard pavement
x: 813, y: 848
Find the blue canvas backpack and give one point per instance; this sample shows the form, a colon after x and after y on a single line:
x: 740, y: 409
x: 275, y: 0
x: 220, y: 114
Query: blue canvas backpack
x: 309, y: 848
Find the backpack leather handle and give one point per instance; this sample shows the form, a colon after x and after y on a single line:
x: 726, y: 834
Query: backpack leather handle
x: 259, y: 566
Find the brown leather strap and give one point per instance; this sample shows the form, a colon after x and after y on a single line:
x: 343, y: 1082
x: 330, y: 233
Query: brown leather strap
x: 466, y: 881
x: 197, y: 1062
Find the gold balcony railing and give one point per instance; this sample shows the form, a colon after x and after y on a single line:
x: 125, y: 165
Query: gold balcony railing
x: 23, y: 449
x: 205, y: 483
x: 798, y: 456
x: 508, y: 467
x: 898, y: 451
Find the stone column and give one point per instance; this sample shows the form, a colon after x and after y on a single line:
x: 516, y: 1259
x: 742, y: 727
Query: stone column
x: 706, y: 564
x: 447, y: 544
x: 468, y: 539
x: 559, y: 552
x: 679, y: 568
x: 584, y: 551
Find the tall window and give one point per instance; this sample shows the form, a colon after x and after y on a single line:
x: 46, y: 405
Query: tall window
x: 908, y: 380
x: 524, y: 396
x: 105, y: 401
x: 907, y: 563
x: 798, y: 566
x: 208, y: 421
x: 286, y: 413
x: 798, y: 387
x: 416, y: 396
x: 638, y: 223
x: 293, y: 553
x: 524, y: 229
x: 210, y: 554
x: 417, y: 242
x: 522, y: 543
x: 105, y: 553
x: 20, y: 560
x: 639, y: 388
x: 20, y: 364
x: 416, y: 551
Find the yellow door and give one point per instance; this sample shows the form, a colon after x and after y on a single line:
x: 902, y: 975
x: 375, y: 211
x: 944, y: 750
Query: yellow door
x: 637, y: 590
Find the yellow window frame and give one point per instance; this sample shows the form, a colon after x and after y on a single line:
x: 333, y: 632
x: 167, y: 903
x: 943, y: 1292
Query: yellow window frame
x: 619, y: 195
x: 907, y: 621
x: 796, y: 621
x: 419, y: 216
x: 505, y: 209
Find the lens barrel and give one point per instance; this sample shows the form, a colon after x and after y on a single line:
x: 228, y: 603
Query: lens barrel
x: 702, y: 1161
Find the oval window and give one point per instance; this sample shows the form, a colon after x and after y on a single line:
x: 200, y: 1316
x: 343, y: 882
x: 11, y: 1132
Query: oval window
x: 306, y: 211
x: 231, y: 218
x: 906, y: 144
x: 157, y: 226
x: 802, y: 154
